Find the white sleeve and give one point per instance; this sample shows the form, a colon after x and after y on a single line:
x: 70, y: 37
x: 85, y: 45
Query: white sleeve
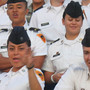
x: 67, y: 81
x: 39, y: 45
x: 40, y: 78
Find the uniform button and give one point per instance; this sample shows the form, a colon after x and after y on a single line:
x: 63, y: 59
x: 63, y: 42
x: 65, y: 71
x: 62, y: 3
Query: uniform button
x: 62, y: 41
x: 23, y: 70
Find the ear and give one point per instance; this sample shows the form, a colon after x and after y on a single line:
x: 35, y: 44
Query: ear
x: 27, y: 10
x: 63, y: 21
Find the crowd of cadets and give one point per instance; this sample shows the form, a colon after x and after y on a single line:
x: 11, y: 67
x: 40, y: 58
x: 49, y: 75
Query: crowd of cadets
x: 56, y: 29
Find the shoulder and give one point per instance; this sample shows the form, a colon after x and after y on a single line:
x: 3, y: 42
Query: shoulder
x: 39, y: 73
x: 78, y: 68
x: 34, y: 29
x: 39, y: 8
x: 57, y: 42
x: 3, y: 30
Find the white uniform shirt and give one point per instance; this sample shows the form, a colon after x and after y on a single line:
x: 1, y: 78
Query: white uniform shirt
x: 62, y: 54
x: 5, y: 22
x: 77, y: 77
x: 19, y: 80
x: 38, y: 46
x: 49, y: 20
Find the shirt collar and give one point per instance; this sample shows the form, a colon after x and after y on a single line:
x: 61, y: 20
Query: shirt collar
x: 70, y: 42
x: 49, y: 6
x: 22, y: 71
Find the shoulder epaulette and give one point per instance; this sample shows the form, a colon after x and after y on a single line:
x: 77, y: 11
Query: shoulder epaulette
x: 3, y: 30
x: 38, y: 8
x: 34, y: 29
x: 55, y: 41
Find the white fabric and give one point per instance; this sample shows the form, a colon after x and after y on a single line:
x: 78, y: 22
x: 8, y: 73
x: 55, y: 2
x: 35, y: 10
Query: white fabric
x: 77, y: 77
x: 17, y: 80
x: 62, y: 54
x: 87, y: 13
x: 4, y: 19
x: 38, y: 47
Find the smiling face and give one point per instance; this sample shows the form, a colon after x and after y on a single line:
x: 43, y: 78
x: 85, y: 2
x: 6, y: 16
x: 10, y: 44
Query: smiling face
x: 86, y: 51
x: 72, y: 25
x: 17, y: 54
x: 17, y: 12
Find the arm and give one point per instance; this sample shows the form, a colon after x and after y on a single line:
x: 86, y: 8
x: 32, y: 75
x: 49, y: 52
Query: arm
x: 55, y: 77
x: 67, y: 81
x: 38, y: 61
x: 34, y: 83
x: 2, y: 2
x: 5, y: 65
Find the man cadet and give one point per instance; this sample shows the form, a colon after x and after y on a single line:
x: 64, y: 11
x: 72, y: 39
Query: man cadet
x: 77, y: 77
x: 23, y: 75
x: 17, y: 9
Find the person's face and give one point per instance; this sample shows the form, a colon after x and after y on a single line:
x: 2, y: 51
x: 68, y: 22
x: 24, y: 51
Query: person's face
x: 17, y: 54
x: 17, y: 12
x: 86, y: 51
x: 72, y: 25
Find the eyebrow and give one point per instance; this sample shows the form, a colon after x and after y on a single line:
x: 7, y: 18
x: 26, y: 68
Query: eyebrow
x: 13, y: 5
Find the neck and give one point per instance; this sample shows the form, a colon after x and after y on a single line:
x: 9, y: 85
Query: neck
x: 85, y: 2
x: 70, y: 37
x: 56, y: 3
x: 18, y: 24
x: 37, y: 5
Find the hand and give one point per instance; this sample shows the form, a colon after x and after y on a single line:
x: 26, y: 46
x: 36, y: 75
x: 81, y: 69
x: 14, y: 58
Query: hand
x: 2, y: 2
x: 57, y: 76
x: 28, y: 60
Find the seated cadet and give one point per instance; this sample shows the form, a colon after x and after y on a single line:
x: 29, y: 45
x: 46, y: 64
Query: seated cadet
x: 77, y: 77
x: 68, y: 49
x: 17, y: 9
x: 23, y: 75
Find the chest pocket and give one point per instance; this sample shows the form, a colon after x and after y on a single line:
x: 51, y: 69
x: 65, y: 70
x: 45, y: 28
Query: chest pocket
x: 46, y: 24
x: 56, y: 59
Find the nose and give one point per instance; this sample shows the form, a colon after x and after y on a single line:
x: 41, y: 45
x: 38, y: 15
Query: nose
x: 15, y: 52
x: 14, y: 9
x: 73, y: 22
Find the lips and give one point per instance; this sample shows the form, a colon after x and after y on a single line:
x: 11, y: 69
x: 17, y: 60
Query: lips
x: 16, y: 59
x: 15, y: 15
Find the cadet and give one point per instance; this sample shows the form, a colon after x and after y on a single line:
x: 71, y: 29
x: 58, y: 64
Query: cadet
x: 77, y: 77
x: 17, y: 9
x: 68, y: 49
x: 23, y: 75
